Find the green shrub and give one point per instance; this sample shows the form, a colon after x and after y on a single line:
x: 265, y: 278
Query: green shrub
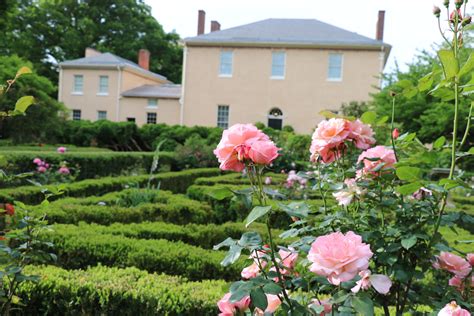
x: 176, y: 182
x: 204, y: 236
x: 162, y: 206
x: 77, y: 247
x: 90, y: 164
x: 237, y: 179
x: 113, y: 291
x: 195, y: 153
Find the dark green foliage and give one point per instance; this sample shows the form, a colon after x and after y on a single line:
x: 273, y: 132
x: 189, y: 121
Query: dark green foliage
x: 354, y: 108
x: 177, y: 182
x: 107, y: 209
x: 113, y: 291
x: 196, y: 152
x: 42, y: 118
x: 90, y: 164
x: 79, y: 248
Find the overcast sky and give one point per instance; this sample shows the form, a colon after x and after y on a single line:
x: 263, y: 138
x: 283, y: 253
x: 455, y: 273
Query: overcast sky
x: 409, y: 24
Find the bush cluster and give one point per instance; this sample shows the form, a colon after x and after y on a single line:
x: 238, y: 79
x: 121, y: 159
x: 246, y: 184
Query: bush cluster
x: 176, y: 182
x: 114, y: 291
x: 78, y: 248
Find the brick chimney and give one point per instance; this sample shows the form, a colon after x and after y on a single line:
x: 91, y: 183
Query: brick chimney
x: 91, y: 52
x: 215, y: 26
x: 380, y: 26
x: 144, y: 58
x: 201, y: 21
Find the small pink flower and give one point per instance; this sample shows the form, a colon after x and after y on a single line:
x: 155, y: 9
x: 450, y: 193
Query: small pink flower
x: 263, y: 152
x: 381, y: 283
x: 339, y: 257
x: 422, y: 193
x: 452, y: 263
x: 345, y: 196
x: 254, y: 269
x: 234, y: 146
x: 470, y: 259
x: 288, y: 261
x: 377, y: 155
x: 273, y: 304
x: 41, y: 169
x: 362, y: 134
x: 37, y: 161
x: 268, y: 180
x: 61, y: 150
x: 452, y: 309
x: 64, y: 170
x: 456, y: 282
x: 227, y: 308
x: 395, y: 133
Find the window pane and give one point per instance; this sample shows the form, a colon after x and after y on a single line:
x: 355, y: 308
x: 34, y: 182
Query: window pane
x: 335, y: 66
x: 223, y: 116
x: 151, y: 118
x: 78, y: 83
x: 225, y: 67
x: 101, y: 115
x: 153, y: 103
x: 103, y: 84
x: 76, y: 115
x: 278, y: 64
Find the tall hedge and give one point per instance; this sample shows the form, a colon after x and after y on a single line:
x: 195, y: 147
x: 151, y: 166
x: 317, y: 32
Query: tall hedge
x: 112, y: 291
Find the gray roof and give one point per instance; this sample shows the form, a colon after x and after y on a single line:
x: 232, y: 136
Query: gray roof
x: 164, y: 91
x: 108, y: 60
x: 298, y: 32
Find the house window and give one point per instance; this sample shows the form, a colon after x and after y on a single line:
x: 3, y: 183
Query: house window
x: 275, y: 118
x: 223, y: 116
x: 335, y: 67
x: 151, y: 118
x: 131, y: 119
x: 76, y: 115
x: 225, y: 68
x: 104, y: 85
x: 278, y: 64
x: 78, y: 84
x: 152, y: 103
x: 101, y: 115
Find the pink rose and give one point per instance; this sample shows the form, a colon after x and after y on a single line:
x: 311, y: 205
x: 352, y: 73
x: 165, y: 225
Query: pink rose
x: 325, y: 303
x: 227, y: 308
x: 422, y: 193
x: 234, y: 147
x: 339, y: 257
x: 61, y: 150
x: 263, y: 152
x: 456, y: 282
x: 345, y: 196
x: 64, y: 170
x: 288, y: 261
x: 381, y: 283
x: 254, y: 269
x: 37, y: 161
x: 452, y: 263
x: 273, y: 304
x: 41, y: 169
x: 470, y: 258
x: 384, y: 155
x: 362, y: 134
x: 328, y: 140
x: 452, y: 309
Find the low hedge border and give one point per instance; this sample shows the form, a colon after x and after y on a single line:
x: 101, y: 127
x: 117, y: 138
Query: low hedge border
x: 204, y: 236
x: 113, y: 291
x: 165, y: 206
x: 78, y: 248
x: 176, y: 182
x: 91, y: 164
x: 237, y: 178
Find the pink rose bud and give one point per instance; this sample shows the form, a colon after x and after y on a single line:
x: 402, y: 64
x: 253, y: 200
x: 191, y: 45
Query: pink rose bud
x: 61, y: 150
x: 458, y: 3
x: 227, y: 308
x: 452, y: 16
x: 467, y: 20
x: 395, y: 133
x: 446, y: 3
x: 263, y: 152
x: 436, y: 11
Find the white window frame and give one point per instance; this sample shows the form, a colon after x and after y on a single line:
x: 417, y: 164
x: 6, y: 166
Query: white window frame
x: 147, y: 117
x: 99, y: 114
x: 278, y: 77
x: 220, y: 122
x: 106, y: 92
x: 152, y: 106
x: 329, y: 67
x: 74, y: 118
x: 226, y: 75
x: 74, y: 85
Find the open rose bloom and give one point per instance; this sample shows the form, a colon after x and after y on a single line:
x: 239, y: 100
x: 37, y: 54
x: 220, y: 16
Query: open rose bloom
x: 339, y: 257
x: 452, y: 263
x: 453, y: 309
x: 345, y: 196
x: 228, y: 308
x: 330, y: 138
x: 243, y: 143
x: 377, y: 159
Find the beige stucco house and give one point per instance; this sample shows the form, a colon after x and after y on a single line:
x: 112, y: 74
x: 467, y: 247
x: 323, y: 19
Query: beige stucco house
x: 105, y: 86
x: 276, y: 71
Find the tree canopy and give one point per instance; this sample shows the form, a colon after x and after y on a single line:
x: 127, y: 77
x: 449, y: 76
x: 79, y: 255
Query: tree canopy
x: 48, y: 32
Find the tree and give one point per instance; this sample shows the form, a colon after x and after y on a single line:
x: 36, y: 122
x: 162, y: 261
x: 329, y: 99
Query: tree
x: 42, y: 121
x: 48, y: 32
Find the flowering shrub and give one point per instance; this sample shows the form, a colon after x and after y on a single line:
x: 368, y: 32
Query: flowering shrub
x: 377, y: 245
x: 46, y: 173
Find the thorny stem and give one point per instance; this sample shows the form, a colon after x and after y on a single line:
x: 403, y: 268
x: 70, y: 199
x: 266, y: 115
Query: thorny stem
x: 468, y: 126
x: 323, y: 196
